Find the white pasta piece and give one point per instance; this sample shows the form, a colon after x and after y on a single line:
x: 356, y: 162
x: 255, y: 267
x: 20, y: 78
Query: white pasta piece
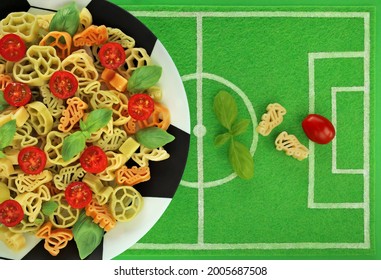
x: 291, y: 146
x: 271, y: 119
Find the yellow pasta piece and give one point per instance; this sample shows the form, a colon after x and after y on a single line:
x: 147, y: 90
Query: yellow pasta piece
x: 81, y: 65
x: 23, y: 137
x: 118, y: 36
x: 61, y: 41
x: 129, y: 147
x: 67, y: 175
x: 31, y: 202
x: 29, y: 183
x: 20, y: 114
x: 155, y: 93
x: 21, y: 23
x: 26, y: 226
x: 56, y: 239
x: 14, y: 241
x: 6, y: 167
x: 271, y: 119
x: 145, y: 154
x: 85, y: 19
x: 24, y: 71
x: 132, y: 176
x: 64, y: 216
x: 92, y: 35
x: 53, y: 149
x: 135, y: 57
x: 44, y: 20
x: 74, y: 111
x: 40, y: 117
x: 55, y: 105
x: 291, y: 146
x: 115, y: 161
x: 125, y: 203
x: 102, y: 193
x: 101, y: 215
x: 111, y: 142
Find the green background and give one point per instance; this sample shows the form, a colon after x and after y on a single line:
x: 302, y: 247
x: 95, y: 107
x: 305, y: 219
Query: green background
x: 265, y: 225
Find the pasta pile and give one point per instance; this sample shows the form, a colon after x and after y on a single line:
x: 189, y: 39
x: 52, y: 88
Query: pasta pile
x: 46, y: 120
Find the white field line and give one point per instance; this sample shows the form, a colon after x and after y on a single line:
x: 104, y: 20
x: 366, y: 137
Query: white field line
x: 270, y: 246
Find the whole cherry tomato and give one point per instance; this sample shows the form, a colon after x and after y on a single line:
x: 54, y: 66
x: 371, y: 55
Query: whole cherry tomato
x: 318, y: 129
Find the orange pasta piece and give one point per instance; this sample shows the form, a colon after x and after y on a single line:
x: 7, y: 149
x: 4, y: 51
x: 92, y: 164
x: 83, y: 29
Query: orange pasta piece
x: 4, y: 81
x: 92, y: 35
x: 101, y: 215
x: 130, y: 127
x: 72, y: 114
x: 132, y: 176
x: 160, y: 117
x: 56, y: 239
x: 61, y: 41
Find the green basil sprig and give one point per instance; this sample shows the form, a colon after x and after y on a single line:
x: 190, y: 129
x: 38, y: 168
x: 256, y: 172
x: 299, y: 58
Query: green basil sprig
x: 226, y: 112
x: 48, y: 207
x: 3, y: 104
x: 143, y: 78
x: 87, y: 235
x: 66, y: 19
x: 7, y: 133
x: 153, y: 137
x: 76, y: 142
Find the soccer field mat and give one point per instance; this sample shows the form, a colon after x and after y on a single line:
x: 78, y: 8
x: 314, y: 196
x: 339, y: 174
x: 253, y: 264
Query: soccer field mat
x: 309, y: 60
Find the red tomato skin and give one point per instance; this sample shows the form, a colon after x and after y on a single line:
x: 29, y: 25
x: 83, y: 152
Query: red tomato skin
x: 93, y: 159
x: 140, y: 106
x: 112, y: 55
x: 11, y: 213
x: 32, y: 154
x: 12, y: 47
x: 13, y: 98
x: 318, y: 129
x: 60, y: 79
x: 78, y: 194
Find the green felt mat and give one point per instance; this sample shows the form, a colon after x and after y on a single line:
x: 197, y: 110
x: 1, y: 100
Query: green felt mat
x: 307, y: 59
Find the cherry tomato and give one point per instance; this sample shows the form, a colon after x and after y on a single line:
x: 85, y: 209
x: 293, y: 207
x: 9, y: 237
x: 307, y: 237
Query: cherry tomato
x: 17, y: 94
x: 112, y: 55
x: 318, y: 129
x: 11, y: 213
x: 93, y: 159
x: 140, y: 106
x: 32, y: 160
x: 63, y: 84
x: 12, y: 47
x: 78, y: 194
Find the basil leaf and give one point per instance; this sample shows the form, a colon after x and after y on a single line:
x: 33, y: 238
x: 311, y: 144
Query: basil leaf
x: 153, y: 137
x: 7, y: 132
x: 225, y: 109
x: 222, y: 139
x: 241, y: 160
x: 96, y: 120
x: 66, y: 19
x: 239, y: 127
x: 143, y: 78
x: 87, y: 235
x: 3, y: 104
x: 49, y: 207
x: 73, y: 145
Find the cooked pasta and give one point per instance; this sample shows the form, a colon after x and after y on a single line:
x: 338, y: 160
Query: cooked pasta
x: 271, y: 119
x: 291, y: 146
x: 48, y: 119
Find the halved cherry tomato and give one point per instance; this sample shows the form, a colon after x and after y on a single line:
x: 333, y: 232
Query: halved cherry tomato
x: 93, y: 159
x: 11, y: 213
x: 17, y: 94
x: 112, y: 55
x: 12, y: 47
x: 140, y: 106
x: 78, y: 194
x: 318, y: 129
x: 63, y: 84
x: 32, y: 160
